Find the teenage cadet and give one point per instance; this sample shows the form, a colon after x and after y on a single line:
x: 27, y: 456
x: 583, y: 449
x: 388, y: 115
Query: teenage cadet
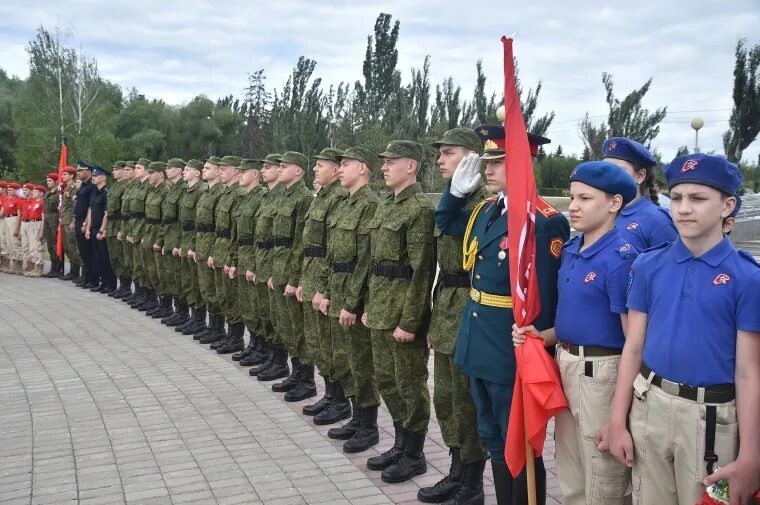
x: 119, y: 231
x: 350, y: 260
x: 311, y: 291
x: 50, y: 225
x: 97, y: 223
x: 84, y: 194
x: 70, y: 250
x: 170, y: 242
x: 482, y: 351
x: 454, y: 407
x: 593, y: 278
x: 11, y: 222
x: 687, y: 383
x: 113, y: 221
x: 642, y: 222
x: 151, y: 240
x: 135, y: 231
x: 287, y: 258
x: 30, y: 228
x: 3, y: 247
x: 398, y: 308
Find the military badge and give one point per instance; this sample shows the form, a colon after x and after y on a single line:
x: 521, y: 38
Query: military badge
x: 555, y: 247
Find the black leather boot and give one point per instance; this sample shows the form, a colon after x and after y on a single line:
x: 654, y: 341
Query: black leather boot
x: 125, y: 288
x: 411, y: 463
x: 219, y: 343
x: 269, y: 348
x: 150, y: 303
x: 254, y: 343
x: 235, y: 342
x: 279, y: 367
x: 164, y: 308
x: 258, y: 355
x: 446, y: 487
x: 338, y: 409
x: 393, y: 454
x: 322, y: 403
x: 73, y: 273
x: 216, y: 330
x: 141, y: 294
x: 173, y: 315
x: 202, y: 329
x: 520, y: 485
x: 291, y: 381
x: 367, y: 435
x: 305, y: 387
x: 183, y: 313
x: 470, y: 489
x: 135, y: 294
x: 191, y: 321
x: 53, y: 270
x: 349, y: 429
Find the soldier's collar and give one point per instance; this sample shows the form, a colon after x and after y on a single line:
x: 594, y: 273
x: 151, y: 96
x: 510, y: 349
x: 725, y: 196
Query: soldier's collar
x: 407, y: 192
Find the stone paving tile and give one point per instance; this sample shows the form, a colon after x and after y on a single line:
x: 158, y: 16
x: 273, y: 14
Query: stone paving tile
x: 111, y: 407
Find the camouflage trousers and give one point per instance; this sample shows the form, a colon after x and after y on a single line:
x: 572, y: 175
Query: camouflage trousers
x: 154, y: 260
x: 401, y: 376
x: 116, y: 254
x: 273, y: 295
x: 227, y: 295
x: 352, y: 346
x: 70, y: 246
x: 126, y: 258
x: 50, y: 234
x: 317, y: 339
x: 140, y: 264
x: 207, y: 284
x: 289, y: 322
x: 455, y: 409
x: 190, y: 290
x: 263, y: 311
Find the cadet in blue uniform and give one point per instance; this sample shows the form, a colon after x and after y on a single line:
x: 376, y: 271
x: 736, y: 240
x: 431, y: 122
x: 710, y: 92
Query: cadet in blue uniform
x: 96, y: 233
x: 484, y: 349
x: 692, y: 357
x: 592, y: 281
x: 642, y: 222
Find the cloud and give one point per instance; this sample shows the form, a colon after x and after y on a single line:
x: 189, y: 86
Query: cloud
x: 175, y: 50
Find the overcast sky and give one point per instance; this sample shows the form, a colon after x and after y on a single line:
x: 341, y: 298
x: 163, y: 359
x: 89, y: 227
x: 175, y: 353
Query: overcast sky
x: 175, y: 50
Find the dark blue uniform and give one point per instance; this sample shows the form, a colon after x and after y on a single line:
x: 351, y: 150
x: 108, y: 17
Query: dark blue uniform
x: 645, y: 225
x: 103, y: 270
x: 84, y: 197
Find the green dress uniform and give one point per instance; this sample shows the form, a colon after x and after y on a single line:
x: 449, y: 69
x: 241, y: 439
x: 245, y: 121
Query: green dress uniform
x: 191, y: 291
x: 69, y: 237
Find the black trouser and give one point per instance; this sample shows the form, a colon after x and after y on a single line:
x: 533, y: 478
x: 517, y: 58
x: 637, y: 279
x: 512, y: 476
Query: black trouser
x: 103, y: 269
x: 89, y: 270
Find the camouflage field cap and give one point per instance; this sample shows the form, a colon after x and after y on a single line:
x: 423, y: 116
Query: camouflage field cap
x: 271, y: 159
x: 403, y: 149
x: 214, y: 160
x: 295, y: 158
x: 250, y: 164
x: 176, y: 162
x: 330, y: 154
x: 194, y: 164
x: 118, y: 164
x: 231, y: 161
x: 362, y: 154
x: 464, y: 137
x: 156, y: 166
x: 130, y: 164
x: 144, y: 162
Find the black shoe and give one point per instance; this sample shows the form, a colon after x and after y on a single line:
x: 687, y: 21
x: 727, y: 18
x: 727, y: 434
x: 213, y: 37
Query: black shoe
x: 90, y: 285
x: 411, y: 463
x: 182, y: 313
x: 191, y: 321
x: 279, y: 366
x: 291, y: 381
x: 235, y: 343
x: 164, y: 308
x: 470, y: 488
x: 393, y: 454
x: 219, y: 343
x: 349, y: 429
x: 110, y: 290
x: 98, y: 288
x: 338, y: 410
x: 253, y: 345
x: 73, y: 273
x: 197, y: 325
x: 446, y: 487
x: 367, y: 435
x: 322, y: 403
x: 269, y: 348
x: 150, y: 303
x: 305, y: 387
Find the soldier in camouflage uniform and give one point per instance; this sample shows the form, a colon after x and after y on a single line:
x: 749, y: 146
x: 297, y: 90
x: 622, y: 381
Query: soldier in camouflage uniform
x: 135, y: 231
x: 113, y: 211
x: 205, y: 236
x: 67, y: 224
x: 153, y: 238
x: 191, y: 291
x: 398, y: 308
x: 120, y: 227
x: 272, y: 360
x: 454, y: 407
x: 287, y: 259
x: 334, y: 406
x: 349, y: 257
x: 50, y: 225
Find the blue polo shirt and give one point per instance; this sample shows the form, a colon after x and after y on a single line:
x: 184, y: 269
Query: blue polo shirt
x: 695, y: 306
x: 592, y: 288
x: 645, y: 225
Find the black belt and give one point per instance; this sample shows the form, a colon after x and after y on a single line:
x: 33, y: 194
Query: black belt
x: 393, y: 272
x: 170, y: 221
x: 137, y: 215
x: 246, y: 241
x: 114, y: 218
x: 265, y: 244
x: 455, y: 280
x: 223, y: 233
x: 346, y: 268
x: 592, y: 351
x: 314, y: 252
x: 205, y: 228
x: 30, y: 220
x: 721, y: 393
x: 188, y: 226
x: 153, y: 221
x: 283, y: 242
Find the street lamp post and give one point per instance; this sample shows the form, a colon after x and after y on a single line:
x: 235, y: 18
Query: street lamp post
x: 697, y: 123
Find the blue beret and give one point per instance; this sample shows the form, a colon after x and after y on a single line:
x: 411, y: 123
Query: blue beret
x: 629, y: 150
x: 606, y: 176
x: 81, y: 165
x: 98, y: 170
x: 714, y: 171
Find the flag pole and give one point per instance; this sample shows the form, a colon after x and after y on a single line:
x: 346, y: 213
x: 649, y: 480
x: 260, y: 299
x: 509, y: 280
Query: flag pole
x: 530, y: 460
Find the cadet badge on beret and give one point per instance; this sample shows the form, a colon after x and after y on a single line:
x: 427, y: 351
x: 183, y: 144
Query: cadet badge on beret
x: 555, y: 247
x: 689, y: 165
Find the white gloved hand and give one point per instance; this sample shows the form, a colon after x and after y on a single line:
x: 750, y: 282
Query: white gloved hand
x: 466, y: 177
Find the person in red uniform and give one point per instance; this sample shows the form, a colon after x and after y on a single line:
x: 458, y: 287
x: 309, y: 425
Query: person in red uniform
x: 10, y: 226
x: 30, y: 211
x: 3, y: 247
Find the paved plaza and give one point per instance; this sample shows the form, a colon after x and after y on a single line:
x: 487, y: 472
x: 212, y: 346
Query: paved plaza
x: 100, y: 404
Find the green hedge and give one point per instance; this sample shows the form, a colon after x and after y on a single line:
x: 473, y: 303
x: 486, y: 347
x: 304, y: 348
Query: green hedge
x: 551, y: 192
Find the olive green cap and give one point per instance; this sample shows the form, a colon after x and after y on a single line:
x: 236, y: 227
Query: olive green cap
x: 144, y: 162
x: 295, y: 158
x: 176, y: 162
x: 272, y: 159
x: 464, y: 137
x: 156, y: 166
x: 361, y: 154
x: 130, y: 164
x: 231, y: 161
x: 403, y: 149
x: 214, y: 160
x: 330, y: 154
x: 250, y: 164
x: 196, y: 164
x: 118, y: 164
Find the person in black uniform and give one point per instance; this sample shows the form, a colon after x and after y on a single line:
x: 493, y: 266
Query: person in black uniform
x: 96, y: 233
x: 82, y: 201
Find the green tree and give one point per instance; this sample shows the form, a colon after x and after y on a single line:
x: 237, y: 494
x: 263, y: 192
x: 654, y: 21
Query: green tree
x: 628, y: 118
x: 9, y: 89
x: 744, y: 124
x: 381, y: 77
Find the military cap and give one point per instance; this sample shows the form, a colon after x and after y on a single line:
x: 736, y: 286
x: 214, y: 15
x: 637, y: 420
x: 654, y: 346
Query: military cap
x: 69, y: 170
x: 607, y: 177
x: 81, y: 165
x: 714, y: 171
x: 403, y: 149
x: 98, y: 170
x: 176, y: 162
x: 129, y: 164
x: 249, y: 164
x: 295, y: 158
x: 214, y: 160
x: 118, y: 164
x: 41, y: 189
x: 3, y: 184
x: 195, y: 164
x: 272, y: 159
x: 361, y: 154
x: 144, y: 162
x: 623, y: 148
x: 14, y: 185
x: 464, y: 137
x: 494, y: 140
x: 53, y: 176
x: 231, y: 161
x: 156, y: 166
x: 28, y: 185
x: 330, y: 154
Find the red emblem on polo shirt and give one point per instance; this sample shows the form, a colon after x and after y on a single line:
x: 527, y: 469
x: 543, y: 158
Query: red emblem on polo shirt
x: 626, y: 247
x: 612, y: 146
x: 591, y: 276
x: 632, y: 226
x: 689, y: 165
x: 721, y: 279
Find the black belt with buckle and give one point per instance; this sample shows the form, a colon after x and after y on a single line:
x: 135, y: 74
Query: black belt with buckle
x: 265, y: 244
x: 170, y: 221
x: 721, y: 393
x: 30, y: 220
x: 188, y: 226
x: 223, y: 233
x: 137, y: 215
x: 347, y: 267
x: 246, y: 241
x: 283, y: 242
x: 314, y: 252
x: 205, y: 228
x: 393, y: 272
x: 592, y: 351
x: 153, y: 221
x: 455, y: 280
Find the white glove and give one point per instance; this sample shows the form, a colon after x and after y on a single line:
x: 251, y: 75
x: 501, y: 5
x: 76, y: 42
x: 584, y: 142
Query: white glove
x: 466, y: 177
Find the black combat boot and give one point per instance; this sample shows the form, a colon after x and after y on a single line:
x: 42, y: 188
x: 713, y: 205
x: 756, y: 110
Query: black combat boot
x: 393, y: 454
x: 349, y: 429
x: 411, y: 463
x: 164, y: 308
x: 131, y: 298
x: 338, y: 409
x: 183, y: 313
x: 73, y: 273
x: 367, y: 435
x: 268, y: 348
x: 279, y: 367
x: 235, y: 343
x: 203, y: 330
x: 470, y: 489
x: 125, y: 288
x: 446, y: 487
x: 254, y: 344
x: 291, y: 381
x: 216, y: 331
x: 141, y: 294
x: 196, y: 324
x: 189, y: 322
x: 322, y: 403
x: 305, y: 387
x: 174, y: 314
x: 53, y: 270
x: 219, y: 343
x: 151, y: 301
x: 258, y: 354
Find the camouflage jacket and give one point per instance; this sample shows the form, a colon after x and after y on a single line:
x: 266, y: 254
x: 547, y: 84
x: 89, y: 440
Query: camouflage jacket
x: 137, y: 198
x: 287, y: 230
x: 187, y: 209
x: 224, y: 217
x: 264, y: 238
x: 205, y: 235
x: 153, y: 206
x: 243, y: 253
x: 126, y: 218
x: 170, y: 228
x: 113, y: 207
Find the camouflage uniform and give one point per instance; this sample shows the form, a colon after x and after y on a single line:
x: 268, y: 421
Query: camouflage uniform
x: 153, y: 232
x: 136, y: 229
x: 67, y: 217
x: 113, y: 209
x: 171, y: 232
x: 189, y: 270
x: 123, y: 227
x: 264, y: 247
x: 226, y: 206
x: 50, y: 225
x: 204, y: 243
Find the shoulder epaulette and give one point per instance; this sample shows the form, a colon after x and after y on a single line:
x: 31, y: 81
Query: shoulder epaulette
x: 545, y: 208
x: 748, y: 256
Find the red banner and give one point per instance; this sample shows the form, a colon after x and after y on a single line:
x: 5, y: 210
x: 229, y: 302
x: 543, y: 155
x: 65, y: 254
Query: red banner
x: 62, y: 162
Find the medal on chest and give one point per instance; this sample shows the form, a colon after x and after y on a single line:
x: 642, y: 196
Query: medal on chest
x: 503, y: 245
